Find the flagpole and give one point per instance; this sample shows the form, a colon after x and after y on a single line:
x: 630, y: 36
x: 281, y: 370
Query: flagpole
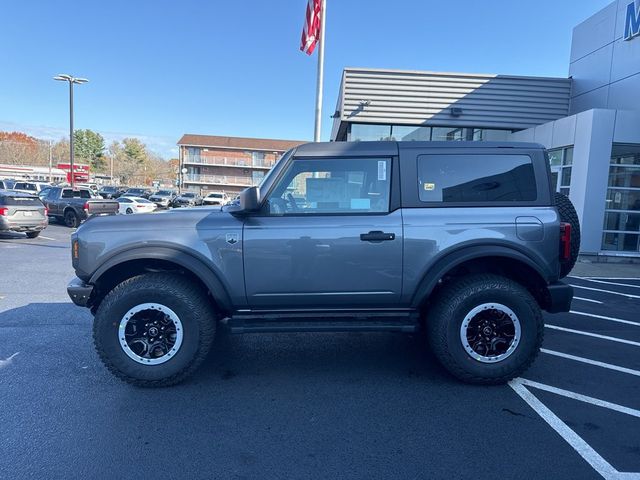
x: 320, y: 80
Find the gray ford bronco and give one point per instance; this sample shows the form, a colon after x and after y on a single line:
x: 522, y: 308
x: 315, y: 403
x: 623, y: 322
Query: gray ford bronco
x: 464, y: 241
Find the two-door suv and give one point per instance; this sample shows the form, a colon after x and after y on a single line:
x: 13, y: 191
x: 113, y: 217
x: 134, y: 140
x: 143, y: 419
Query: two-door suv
x: 467, y: 241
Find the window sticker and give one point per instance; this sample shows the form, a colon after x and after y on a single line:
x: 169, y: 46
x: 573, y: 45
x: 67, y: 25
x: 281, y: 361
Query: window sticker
x: 382, y: 170
x: 360, y: 204
x: 429, y: 186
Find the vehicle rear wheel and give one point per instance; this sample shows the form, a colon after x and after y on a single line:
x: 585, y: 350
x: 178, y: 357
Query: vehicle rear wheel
x: 569, y: 215
x: 485, y: 329
x: 32, y: 234
x: 154, y: 330
x: 71, y: 219
x: 129, y: 211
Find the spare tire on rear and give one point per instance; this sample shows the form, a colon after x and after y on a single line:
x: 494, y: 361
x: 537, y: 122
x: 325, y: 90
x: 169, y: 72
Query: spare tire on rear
x: 569, y: 215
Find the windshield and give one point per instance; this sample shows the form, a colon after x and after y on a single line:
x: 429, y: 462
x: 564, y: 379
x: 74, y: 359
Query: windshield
x: 135, y: 190
x: 164, y: 192
x: 189, y: 195
x: 108, y: 189
x: 215, y: 195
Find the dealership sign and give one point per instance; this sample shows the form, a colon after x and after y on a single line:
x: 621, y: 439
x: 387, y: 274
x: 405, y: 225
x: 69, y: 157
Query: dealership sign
x: 632, y: 21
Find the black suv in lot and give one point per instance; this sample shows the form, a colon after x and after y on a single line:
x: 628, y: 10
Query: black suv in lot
x: 466, y: 241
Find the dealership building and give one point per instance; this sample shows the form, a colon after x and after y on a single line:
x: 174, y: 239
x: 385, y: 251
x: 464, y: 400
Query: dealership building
x: 589, y: 121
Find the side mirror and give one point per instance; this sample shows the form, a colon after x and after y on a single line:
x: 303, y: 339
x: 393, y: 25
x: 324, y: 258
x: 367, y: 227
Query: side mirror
x: 249, y: 201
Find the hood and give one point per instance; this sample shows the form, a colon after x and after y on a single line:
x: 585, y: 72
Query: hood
x: 163, y: 220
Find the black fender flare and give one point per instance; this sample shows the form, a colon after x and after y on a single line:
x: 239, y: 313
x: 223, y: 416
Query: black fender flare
x: 181, y: 258
x: 450, y: 260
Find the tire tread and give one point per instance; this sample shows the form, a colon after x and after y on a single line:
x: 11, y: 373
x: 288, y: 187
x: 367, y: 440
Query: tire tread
x: 443, y: 311
x: 186, y: 291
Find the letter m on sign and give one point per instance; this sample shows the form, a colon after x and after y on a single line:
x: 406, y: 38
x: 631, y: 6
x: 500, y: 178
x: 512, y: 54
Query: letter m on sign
x: 632, y: 21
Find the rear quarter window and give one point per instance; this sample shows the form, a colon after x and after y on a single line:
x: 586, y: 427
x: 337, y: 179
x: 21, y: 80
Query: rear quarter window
x: 476, y: 178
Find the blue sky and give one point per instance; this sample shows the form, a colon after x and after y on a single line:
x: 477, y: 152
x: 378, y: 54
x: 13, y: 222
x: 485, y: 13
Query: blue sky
x: 158, y: 69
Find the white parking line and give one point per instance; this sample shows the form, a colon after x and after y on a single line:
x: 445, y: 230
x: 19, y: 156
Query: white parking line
x: 607, y: 283
x: 587, y: 300
x: 47, y: 238
x: 596, y: 363
x: 585, y: 450
x: 581, y: 398
x: 602, y: 317
x: 607, y: 278
x: 595, y: 335
x: 628, y: 295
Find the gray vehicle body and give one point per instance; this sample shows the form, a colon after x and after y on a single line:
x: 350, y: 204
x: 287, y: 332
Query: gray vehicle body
x: 274, y: 266
x: 163, y: 199
x: 22, y: 212
x: 83, y: 202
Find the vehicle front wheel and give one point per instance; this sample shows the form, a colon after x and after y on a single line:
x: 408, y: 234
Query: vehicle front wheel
x: 154, y: 330
x: 32, y: 234
x: 71, y: 219
x: 485, y: 329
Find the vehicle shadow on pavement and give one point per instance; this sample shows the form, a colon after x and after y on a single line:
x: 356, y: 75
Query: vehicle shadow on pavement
x: 325, y: 357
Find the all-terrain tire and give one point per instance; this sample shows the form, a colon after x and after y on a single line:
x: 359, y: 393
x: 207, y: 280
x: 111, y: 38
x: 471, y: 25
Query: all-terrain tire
x: 182, y: 296
x: 569, y: 215
x: 457, y: 299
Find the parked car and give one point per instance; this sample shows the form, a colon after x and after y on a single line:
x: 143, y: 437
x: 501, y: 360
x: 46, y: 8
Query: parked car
x: 163, y: 198
x: 215, y: 198
x: 109, y: 191
x: 464, y: 240
x: 22, y: 212
x: 129, y: 205
x: 137, y: 192
x: 187, y: 199
x: 33, y: 188
x: 75, y: 206
x: 7, y: 184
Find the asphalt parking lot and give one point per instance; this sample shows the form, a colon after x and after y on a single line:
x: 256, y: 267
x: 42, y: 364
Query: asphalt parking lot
x: 311, y: 405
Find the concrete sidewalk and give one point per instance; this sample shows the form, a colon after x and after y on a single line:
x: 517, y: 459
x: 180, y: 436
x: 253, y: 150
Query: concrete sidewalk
x: 606, y: 270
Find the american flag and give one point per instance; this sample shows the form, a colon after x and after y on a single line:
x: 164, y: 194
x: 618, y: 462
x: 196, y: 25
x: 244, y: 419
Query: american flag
x: 311, y: 29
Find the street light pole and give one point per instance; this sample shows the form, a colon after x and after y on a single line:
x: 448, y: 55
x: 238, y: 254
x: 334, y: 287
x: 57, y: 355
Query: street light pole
x: 71, y: 139
x: 63, y: 77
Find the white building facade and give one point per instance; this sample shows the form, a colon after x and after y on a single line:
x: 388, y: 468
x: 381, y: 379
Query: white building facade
x: 589, y: 122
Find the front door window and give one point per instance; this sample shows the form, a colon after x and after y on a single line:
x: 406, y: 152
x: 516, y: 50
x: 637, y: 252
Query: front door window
x: 332, y: 186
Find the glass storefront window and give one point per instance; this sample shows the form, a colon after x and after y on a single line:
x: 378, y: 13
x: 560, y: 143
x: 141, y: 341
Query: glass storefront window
x: 408, y: 133
x: 560, y: 161
x: 374, y: 132
x: 622, y: 207
x: 365, y: 132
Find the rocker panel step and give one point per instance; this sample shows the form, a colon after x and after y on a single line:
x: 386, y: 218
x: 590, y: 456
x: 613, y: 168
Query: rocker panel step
x: 327, y: 322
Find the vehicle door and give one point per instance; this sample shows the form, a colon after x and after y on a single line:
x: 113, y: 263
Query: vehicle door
x: 329, y: 235
x: 52, y: 202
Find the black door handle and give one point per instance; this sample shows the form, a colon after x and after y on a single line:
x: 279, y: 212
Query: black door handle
x: 377, y: 236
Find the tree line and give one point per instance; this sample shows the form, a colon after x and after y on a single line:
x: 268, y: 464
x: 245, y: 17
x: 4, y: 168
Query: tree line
x: 131, y: 160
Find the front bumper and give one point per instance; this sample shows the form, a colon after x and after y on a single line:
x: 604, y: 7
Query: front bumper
x: 560, y: 297
x: 79, y: 292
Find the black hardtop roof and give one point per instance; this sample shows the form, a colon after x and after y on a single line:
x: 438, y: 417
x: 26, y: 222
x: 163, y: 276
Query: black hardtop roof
x: 380, y: 148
